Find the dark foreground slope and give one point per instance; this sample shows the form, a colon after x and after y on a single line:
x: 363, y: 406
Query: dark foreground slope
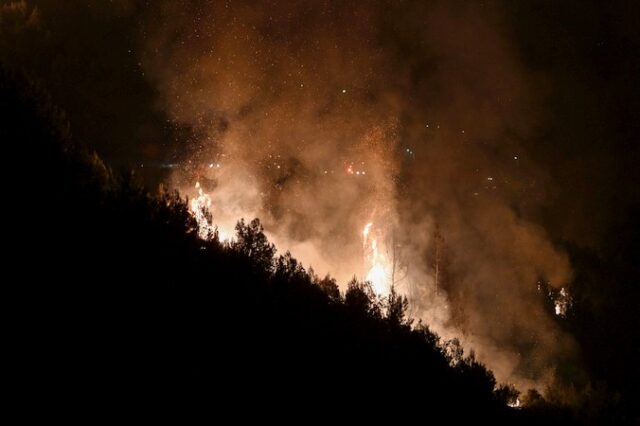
x: 122, y: 305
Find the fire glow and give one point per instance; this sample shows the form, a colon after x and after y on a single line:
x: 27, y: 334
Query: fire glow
x: 355, y: 172
x: 200, y: 207
x: 377, y: 267
x: 378, y: 270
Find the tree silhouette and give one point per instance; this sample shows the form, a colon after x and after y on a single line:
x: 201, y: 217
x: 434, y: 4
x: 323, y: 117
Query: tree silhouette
x: 396, y: 309
x: 508, y: 395
x: 252, y: 242
x: 360, y: 297
x: 330, y: 287
x: 288, y: 268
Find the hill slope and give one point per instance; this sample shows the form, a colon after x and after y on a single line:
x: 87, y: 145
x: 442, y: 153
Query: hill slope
x: 123, y: 303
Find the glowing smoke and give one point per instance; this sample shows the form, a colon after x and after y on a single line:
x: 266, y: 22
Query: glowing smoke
x: 322, y: 118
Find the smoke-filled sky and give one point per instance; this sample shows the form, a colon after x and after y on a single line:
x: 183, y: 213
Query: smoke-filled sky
x: 488, y: 135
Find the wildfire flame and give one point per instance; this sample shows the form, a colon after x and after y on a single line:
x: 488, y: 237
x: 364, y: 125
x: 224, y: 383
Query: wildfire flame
x: 365, y: 232
x: 376, y: 263
x: 199, y: 206
x: 562, y: 303
x: 515, y: 404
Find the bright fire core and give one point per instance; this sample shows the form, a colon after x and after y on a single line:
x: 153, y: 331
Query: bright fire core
x: 378, y: 270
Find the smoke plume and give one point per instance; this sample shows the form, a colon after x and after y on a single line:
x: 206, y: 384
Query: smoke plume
x: 321, y: 117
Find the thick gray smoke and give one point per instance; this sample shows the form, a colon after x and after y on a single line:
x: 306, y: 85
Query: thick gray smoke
x: 320, y: 118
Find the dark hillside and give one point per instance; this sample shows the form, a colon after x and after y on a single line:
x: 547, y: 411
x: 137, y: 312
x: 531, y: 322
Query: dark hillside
x: 121, y: 304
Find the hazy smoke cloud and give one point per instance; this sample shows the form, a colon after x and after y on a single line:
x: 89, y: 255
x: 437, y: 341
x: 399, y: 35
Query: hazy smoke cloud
x: 286, y: 99
x: 319, y: 118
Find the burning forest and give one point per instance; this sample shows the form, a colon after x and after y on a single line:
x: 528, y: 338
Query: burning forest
x: 463, y: 171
